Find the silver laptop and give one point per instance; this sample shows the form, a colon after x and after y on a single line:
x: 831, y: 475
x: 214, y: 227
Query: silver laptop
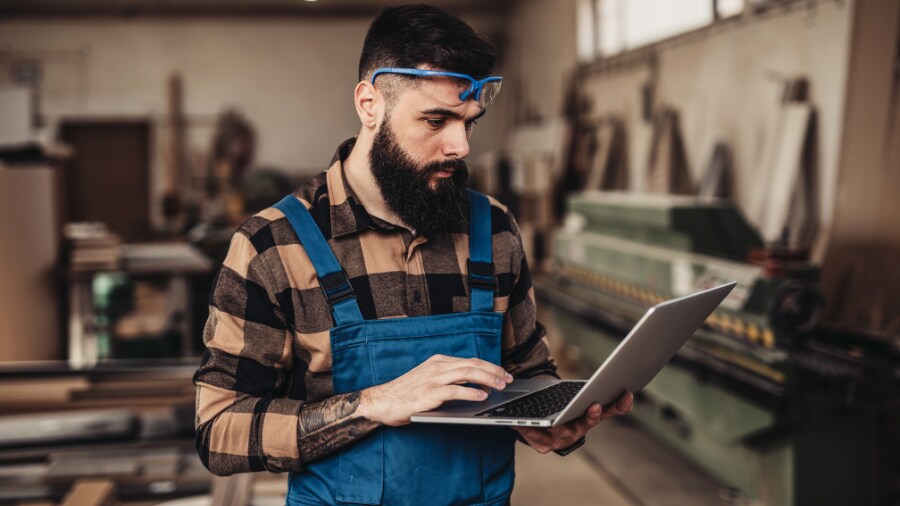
x: 659, y: 334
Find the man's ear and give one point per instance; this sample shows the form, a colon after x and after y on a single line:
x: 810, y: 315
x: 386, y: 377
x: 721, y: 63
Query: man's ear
x: 368, y: 102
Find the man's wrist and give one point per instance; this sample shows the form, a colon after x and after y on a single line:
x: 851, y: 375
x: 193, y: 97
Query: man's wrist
x: 368, y: 405
x: 571, y: 448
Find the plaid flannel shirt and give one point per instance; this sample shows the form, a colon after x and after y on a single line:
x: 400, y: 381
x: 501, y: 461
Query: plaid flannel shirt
x: 267, y: 337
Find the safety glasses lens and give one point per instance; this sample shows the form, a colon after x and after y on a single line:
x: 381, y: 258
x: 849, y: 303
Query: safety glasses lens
x: 489, y: 91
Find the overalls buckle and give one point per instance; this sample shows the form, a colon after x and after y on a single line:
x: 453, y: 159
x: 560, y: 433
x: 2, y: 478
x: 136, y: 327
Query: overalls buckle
x: 336, y: 287
x: 481, y: 275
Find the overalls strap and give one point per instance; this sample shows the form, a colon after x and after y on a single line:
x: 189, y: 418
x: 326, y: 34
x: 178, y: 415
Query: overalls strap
x: 332, y: 278
x: 481, y: 267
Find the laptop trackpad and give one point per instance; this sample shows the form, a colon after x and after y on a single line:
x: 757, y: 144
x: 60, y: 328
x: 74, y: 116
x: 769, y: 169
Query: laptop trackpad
x: 471, y: 407
x: 501, y: 396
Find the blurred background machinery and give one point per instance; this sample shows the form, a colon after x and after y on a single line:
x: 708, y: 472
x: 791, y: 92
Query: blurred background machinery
x: 762, y: 397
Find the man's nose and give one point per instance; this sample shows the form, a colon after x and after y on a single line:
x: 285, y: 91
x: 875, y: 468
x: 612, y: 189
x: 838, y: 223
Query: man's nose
x: 456, y: 142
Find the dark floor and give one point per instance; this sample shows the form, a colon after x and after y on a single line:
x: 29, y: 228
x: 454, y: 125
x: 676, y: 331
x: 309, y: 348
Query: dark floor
x: 619, y: 465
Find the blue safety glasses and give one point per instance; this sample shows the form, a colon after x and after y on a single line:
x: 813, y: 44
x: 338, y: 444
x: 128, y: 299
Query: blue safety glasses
x: 483, y: 91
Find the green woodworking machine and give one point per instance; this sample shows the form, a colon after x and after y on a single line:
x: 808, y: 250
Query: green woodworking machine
x: 761, y: 397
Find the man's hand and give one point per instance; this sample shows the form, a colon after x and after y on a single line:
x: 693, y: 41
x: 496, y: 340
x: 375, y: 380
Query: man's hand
x: 563, y: 436
x: 432, y: 383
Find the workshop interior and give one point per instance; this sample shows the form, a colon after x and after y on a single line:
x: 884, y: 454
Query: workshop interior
x: 648, y: 149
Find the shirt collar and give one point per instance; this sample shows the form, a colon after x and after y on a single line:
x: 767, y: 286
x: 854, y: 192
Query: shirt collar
x: 348, y: 216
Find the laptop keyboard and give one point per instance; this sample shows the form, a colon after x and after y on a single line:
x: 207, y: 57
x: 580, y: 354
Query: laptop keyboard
x: 540, y: 404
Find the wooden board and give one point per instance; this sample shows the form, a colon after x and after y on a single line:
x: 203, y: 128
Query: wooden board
x: 784, y: 171
x: 601, y: 164
x: 91, y: 493
x: 764, y: 170
x: 29, y: 301
x: 667, y: 170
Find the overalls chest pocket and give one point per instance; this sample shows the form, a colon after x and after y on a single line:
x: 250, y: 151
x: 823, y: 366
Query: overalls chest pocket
x: 383, y: 350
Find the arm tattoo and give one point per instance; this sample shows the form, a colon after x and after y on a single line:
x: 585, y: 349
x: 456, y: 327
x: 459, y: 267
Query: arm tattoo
x: 331, y: 424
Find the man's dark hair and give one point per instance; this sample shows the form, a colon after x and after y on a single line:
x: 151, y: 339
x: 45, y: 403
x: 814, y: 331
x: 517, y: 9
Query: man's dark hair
x: 414, y: 35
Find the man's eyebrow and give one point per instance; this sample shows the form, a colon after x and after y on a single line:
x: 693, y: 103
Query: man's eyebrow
x: 440, y: 111
x: 482, y: 113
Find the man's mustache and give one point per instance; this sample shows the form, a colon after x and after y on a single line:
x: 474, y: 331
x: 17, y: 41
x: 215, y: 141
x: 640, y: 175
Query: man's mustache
x: 451, y: 165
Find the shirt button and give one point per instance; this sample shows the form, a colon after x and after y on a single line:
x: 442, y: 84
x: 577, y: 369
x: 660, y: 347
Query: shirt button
x: 417, y: 296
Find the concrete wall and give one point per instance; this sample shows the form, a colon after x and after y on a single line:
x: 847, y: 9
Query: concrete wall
x: 542, y: 56
x: 861, y: 273
x: 868, y: 183
x: 293, y: 79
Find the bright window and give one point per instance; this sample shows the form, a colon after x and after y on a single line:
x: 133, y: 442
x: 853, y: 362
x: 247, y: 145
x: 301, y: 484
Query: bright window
x: 620, y: 25
x: 728, y: 8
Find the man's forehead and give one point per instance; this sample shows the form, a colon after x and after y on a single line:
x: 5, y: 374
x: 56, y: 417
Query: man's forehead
x: 440, y: 93
x: 445, y: 89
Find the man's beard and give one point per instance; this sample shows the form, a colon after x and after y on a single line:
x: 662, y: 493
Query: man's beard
x: 404, y: 185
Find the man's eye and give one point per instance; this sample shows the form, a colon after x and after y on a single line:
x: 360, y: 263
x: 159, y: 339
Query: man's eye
x: 435, y: 123
x: 470, y: 124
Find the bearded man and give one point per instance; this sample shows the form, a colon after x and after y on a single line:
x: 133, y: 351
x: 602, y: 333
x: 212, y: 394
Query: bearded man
x: 365, y: 297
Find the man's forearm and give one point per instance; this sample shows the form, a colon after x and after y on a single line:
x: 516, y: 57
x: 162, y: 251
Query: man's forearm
x: 331, y: 424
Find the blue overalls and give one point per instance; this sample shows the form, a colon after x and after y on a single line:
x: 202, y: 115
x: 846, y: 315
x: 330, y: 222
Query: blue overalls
x: 417, y: 464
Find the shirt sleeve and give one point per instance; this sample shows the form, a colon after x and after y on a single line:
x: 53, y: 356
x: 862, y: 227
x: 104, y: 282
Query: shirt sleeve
x: 244, y: 421
x: 526, y: 351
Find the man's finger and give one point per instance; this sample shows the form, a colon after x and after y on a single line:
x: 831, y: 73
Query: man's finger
x: 591, y: 417
x: 541, y: 448
x: 583, y: 426
x: 484, y: 364
x: 586, y: 422
x: 565, y: 431
x: 625, y: 402
x: 470, y: 374
x: 573, y: 433
x: 535, y: 437
x: 481, y: 365
x: 526, y: 432
x: 461, y: 393
x: 556, y: 438
x: 620, y: 407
